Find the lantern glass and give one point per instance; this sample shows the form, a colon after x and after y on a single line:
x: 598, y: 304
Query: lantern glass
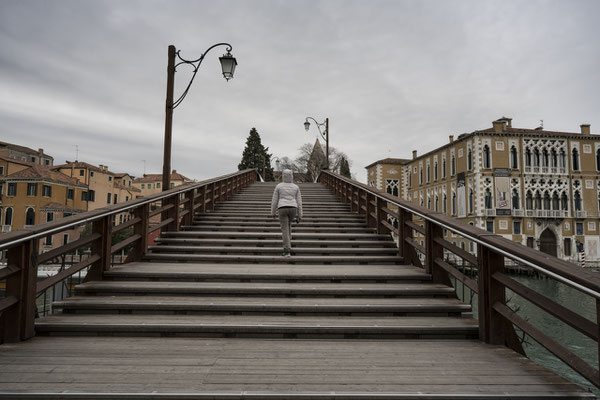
x: 228, y: 64
x: 307, y: 125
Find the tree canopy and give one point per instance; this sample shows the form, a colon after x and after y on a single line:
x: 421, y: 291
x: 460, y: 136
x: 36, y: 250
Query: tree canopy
x: 256, y: 155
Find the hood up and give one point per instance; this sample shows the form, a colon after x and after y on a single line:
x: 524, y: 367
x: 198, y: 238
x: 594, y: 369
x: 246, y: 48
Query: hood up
x: 288, y: 175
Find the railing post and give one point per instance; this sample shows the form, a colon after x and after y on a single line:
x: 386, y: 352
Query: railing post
x: 369, y: 210
x: 434, y: 251
x: 203, y: 199
x: 380, y: 215
x: 19, y: 319
x: 100, y: 247
x: 141, y: 246
x: 189, y: 206
x: 491, y: 324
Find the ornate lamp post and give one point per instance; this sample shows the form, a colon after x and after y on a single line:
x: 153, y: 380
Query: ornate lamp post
x: 228, y: 64
x: 324, y: 134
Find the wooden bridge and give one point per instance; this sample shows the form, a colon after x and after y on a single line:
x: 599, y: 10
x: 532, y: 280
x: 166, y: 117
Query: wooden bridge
x: 361, y: 310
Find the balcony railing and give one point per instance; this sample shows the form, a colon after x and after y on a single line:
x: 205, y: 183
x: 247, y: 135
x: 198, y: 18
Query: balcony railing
x: 517, y: 213
x: 546, y: 213
x: 6, y: 228
x: 580, y: 214
x: 431, y: 252
x: 490, y: 212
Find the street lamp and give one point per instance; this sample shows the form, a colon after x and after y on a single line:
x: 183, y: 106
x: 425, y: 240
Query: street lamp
x: 277, y: 161
x: 228, y: 64
x: 324, y: 134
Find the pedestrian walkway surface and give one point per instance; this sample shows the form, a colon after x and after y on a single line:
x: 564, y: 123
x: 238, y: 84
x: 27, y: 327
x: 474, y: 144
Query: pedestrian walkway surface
x: 214, y: 311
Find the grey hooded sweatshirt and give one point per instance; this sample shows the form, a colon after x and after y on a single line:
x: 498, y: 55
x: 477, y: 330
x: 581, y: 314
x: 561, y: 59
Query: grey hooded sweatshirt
x: 287, y: 194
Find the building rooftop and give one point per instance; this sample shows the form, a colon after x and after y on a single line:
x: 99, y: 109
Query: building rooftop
x: 393, y: 161
x: 175, y: 176
x: 15, y: 161
x: 40, y: 172
x: 81, y: 164
x: 24, y: 149
x: 59, y: 207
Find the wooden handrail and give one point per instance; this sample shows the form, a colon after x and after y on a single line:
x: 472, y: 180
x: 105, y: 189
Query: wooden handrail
x: 496, y: 319
x: 178, y: 205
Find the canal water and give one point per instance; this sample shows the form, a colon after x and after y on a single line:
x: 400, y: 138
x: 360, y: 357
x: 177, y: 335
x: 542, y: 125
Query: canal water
x: 576, y: 342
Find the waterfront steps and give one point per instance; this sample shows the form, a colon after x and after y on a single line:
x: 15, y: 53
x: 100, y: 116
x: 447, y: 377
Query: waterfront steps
x: 215, y: 312
x: 224, y: 276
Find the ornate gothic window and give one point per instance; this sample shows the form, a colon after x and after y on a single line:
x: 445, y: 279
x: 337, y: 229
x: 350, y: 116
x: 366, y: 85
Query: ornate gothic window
x: 514, y: 161
x: 564, y: 202
x: 562, y: 160
x: 486, y: 157
x: 536, y: 157
x: 553, y: 158
x: 471, y: 200
x: 538, y: 201
x: 577, y: 201
x: 529, y: 201
x: 515, y: 199
x: 555, y: 201
x: 528, y: 158
x: 546, y: 201
x: 545, y: 158
x: 469, y: 159
x: 488, y: 199
x: 575, y: 160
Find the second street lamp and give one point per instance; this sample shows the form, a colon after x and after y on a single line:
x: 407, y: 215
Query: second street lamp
x: 228, y: 64
x: 324, y: 134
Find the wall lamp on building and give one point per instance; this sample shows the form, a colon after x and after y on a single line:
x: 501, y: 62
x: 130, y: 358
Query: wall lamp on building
x: 323, y: 128
x: 228, y: 64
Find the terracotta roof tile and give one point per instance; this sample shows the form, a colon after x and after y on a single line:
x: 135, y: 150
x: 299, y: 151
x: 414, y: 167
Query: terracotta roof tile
x: 81, y: 164
x: 14, y: 160
x: 393, y: 161
x: 175, y: 176
x: 40, y: 172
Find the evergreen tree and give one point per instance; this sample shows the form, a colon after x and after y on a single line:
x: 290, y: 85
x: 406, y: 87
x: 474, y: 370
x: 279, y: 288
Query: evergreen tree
x: 345, y: 168
x: 256, y: 155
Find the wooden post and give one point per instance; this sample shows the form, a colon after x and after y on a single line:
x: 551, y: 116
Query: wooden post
x: 381, y: 215
x: 19, y: 319
x: 370, y: 209
x: 189, y: 206
x: 141, y: 246
x: 101, y: 247
x: 203, y: 199
x: 211, y: 205
x: 491, y: 324
x: 433, y: 251
x: 405, y: 232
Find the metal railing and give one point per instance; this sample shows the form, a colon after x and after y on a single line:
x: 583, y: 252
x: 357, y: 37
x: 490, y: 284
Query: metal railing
x: 497, y: 321
x: 170, y: 210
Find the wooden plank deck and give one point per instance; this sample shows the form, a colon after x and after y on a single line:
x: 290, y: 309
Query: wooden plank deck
x: 99, y: 367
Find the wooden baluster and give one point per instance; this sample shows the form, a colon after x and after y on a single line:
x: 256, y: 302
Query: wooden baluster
x: 203, y: 199
x: 433, y: 251
x: 100, y: 247
x: 381, y: 216
x: 491, y: 324
x: 405, y: 232
x: 189, y: 206
x: 141, y: 246
x: 211, y: 205
x: 370, y: 209
x: 19, y: 319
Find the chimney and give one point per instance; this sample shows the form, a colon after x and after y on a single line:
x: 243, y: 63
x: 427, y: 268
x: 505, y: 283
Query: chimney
x: 106, y: 168
x: 499, y: 125
x: 101, y: 167
x: 585, y: 129
x: 414, y: 154
x: 451, y: 137
x: 41, y: 151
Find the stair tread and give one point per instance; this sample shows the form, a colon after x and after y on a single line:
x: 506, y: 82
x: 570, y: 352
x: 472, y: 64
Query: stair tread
x: 276, y: 270
x: 109, y: 321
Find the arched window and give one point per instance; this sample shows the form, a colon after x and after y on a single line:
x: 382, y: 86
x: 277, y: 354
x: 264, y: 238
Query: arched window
x: 435, y: 171
x: 8, y: 216
x: 428, y: 203
x: 515, y: 200
x: 30, y: 216
x: 598, y: 160
x: 444, y: 168
x: 486, y: 156
x: 553, y: 158
x: 420, y: 175
x: 528, y: 158
x: 536, y: 157
x: 471, y: 200
x: 453, y: 203
x: 469, y: 159
x: 488, y: 199
x: 444, y: 203
x: 538, y: 201
x: 437, y: 203
x: 514, y: 159
x: 555, y: 201
x: 453, y: 166
x: 562, y: 160
x: 564, y: 202
x: 428, y: 173
x: 575, y: 160
x: 529, y: 201
x: 546, y: 201
x: 545, y: 158
x: 577, y: 201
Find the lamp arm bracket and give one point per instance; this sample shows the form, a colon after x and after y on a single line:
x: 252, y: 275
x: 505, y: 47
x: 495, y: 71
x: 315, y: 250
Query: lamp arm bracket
x: 319, y: 126
x: 196, y: 67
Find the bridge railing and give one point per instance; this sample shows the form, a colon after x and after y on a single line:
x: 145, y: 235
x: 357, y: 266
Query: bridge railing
x: 165, y: 211
x: 424, y: 239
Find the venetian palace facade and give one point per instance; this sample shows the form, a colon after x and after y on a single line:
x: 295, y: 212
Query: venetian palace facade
x: 536, y: 187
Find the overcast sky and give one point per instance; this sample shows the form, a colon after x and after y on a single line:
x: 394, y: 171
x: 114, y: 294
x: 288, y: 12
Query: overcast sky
x: 392, y: 76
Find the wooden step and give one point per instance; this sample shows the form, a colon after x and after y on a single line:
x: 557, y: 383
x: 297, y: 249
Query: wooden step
x: 273, y: 250
x: 259, y: 326
x: 296, y: 227
x: 294, y: 259
x: 266, y: 272
x: 261, y: 305
x: 276, y: 235
x: 275, y: 242
x: 262, y: 289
